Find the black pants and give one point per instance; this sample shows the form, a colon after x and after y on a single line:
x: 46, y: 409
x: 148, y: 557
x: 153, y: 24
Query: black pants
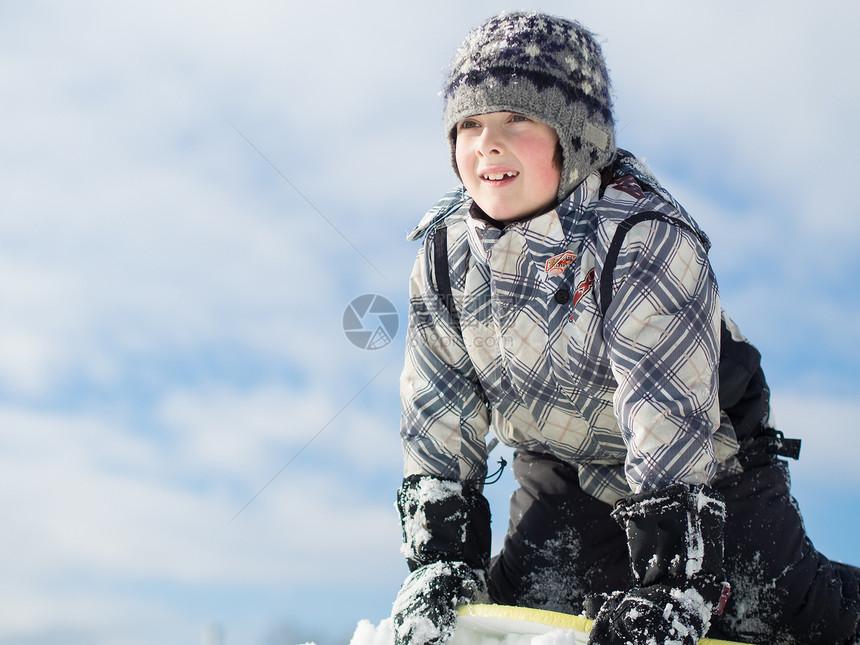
x: 562, y: 545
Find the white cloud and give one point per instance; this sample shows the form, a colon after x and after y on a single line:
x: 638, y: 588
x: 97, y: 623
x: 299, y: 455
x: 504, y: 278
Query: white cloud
x: 830, y: 430
x: 98, y: 514
x: 90, y: 496
x: 67, y: 615
x: 246, y: 434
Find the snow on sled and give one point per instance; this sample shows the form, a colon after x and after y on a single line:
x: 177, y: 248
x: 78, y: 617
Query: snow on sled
x: 492, y: 624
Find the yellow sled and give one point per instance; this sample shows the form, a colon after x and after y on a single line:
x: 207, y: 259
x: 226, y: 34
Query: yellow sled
x: 499, y: 622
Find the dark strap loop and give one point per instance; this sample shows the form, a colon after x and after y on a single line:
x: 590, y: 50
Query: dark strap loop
x: 496, y: 476
x: 763, y: 447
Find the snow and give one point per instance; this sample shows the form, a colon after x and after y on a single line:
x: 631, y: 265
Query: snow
x: 383, y: 634
x: 367, y: 634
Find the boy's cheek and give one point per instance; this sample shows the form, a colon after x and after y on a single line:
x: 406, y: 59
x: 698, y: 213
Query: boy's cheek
x: 461, y: 155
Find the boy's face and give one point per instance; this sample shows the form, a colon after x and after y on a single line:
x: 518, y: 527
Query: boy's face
x: 506, y: 163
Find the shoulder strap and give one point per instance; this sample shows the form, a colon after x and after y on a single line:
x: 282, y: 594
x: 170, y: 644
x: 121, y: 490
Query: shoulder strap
x: 743, y: 392
x: 617, y: 241
x: 441, y: 272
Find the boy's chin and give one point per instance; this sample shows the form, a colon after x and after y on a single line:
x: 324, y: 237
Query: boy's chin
x: 505, y: 214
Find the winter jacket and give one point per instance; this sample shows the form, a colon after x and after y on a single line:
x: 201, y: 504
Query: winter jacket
x: 621, y: 380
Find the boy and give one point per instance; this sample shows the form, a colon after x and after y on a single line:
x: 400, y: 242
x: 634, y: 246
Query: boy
x: 563, y: 298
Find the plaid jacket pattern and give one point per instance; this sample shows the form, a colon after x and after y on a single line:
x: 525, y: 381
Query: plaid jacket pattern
x: 630, y: 398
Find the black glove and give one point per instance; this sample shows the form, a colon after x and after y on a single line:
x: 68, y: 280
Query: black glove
x: 655, y: 614
x: 446, y: 540
x: 425, y: 612
x: 675, y: 538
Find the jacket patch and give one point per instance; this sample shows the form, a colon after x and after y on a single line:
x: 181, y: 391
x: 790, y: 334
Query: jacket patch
x: 583, y: 287
x: 629, y: 185
x: 556, y: 265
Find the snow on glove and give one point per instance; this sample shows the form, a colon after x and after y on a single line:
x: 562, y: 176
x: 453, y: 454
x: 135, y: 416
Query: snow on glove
x: 425, y: 612
x: 443, y: 520
x: 675, y: 539
x: 654, y: 614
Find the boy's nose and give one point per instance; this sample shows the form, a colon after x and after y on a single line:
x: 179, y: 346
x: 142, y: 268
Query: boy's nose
x: 490, y: 143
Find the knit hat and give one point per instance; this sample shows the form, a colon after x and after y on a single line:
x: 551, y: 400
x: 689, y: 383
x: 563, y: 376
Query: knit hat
x: 546, y: 68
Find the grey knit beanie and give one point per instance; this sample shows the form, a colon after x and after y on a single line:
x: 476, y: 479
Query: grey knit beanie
x: 546, y: 68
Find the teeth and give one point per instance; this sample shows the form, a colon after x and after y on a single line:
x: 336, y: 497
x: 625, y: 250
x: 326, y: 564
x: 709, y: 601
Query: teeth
x: 496, y: 176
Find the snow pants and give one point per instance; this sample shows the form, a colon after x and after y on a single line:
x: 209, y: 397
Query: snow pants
x: 562, y: 545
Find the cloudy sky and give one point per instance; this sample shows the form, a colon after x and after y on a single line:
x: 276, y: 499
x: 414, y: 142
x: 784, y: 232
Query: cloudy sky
x: 192, y: 194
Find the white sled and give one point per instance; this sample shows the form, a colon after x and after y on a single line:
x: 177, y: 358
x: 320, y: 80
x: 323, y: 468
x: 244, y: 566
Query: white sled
x: 490, y: 624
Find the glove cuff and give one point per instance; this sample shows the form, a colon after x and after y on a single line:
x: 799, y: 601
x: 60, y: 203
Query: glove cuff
x: 443, y: 521
x: 675, y: 538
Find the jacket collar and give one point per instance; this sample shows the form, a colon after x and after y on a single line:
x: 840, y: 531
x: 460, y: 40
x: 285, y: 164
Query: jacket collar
x: 559, y: 227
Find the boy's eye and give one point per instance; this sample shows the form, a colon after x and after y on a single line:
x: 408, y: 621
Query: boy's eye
x: 468, y: 124
x: 519, y: 117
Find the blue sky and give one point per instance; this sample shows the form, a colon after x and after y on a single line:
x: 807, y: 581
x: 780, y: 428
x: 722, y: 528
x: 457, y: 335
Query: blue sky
x: 194, y: 192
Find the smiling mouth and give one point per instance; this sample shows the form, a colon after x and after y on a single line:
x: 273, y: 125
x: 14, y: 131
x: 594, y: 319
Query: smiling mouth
x: 499, y: 176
